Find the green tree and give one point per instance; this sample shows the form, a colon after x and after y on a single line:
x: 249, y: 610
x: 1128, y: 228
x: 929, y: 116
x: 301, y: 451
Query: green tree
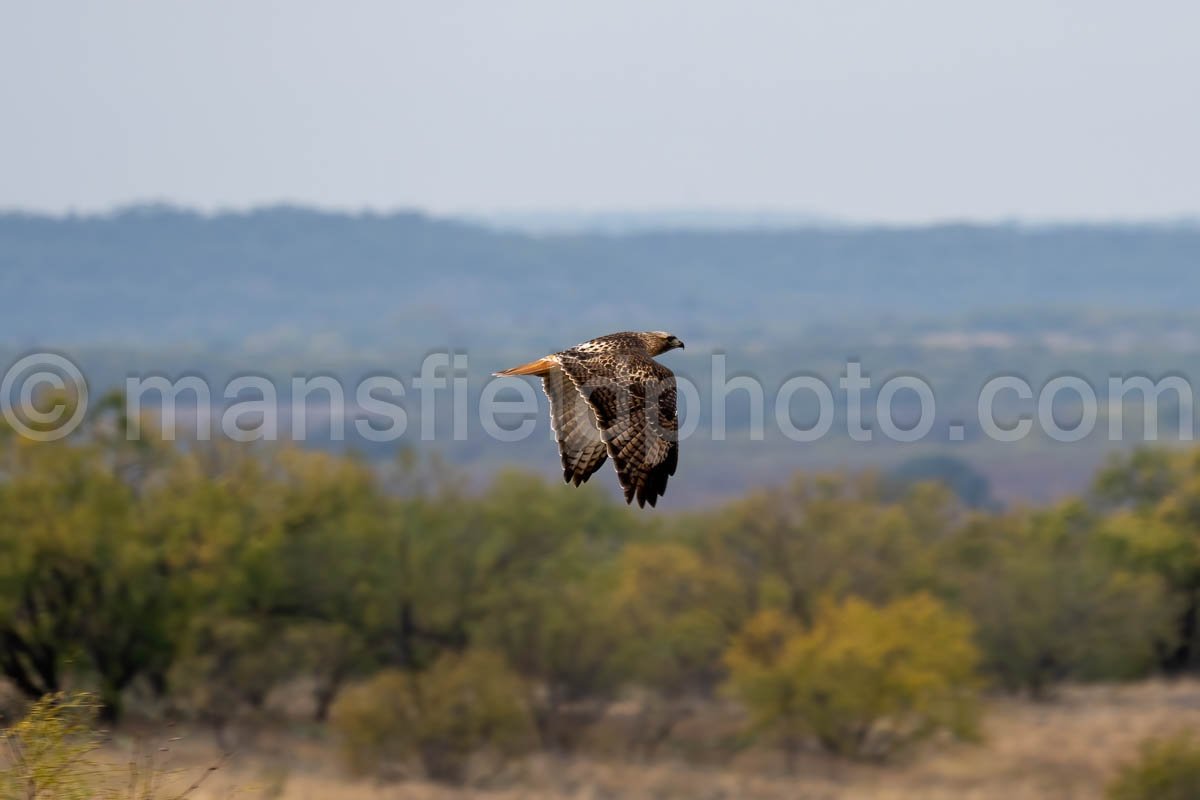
x: 81, y: 577
x: 540, y: 587
x: 1154, y: 527
x: 824, y: 535
x: 278, y: 555
x: 674, y: 614
x: 1050, y: 602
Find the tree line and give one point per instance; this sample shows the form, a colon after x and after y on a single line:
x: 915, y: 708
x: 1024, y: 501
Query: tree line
x: 431, y: 622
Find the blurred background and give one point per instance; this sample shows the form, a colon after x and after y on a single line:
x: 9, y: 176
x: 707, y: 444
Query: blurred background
x: 942, y: 190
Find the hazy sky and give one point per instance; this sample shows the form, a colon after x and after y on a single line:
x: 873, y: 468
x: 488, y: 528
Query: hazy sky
x: 867, y: 110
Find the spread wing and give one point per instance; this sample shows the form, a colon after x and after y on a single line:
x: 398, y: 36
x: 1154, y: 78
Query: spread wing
x: 634, y: 400
x: 579, y: 442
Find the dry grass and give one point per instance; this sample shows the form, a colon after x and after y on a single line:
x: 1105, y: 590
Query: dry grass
x: 1064, y: 750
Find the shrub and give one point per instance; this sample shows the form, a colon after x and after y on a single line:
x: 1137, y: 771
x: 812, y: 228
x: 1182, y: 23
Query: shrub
x: 865, y: 682
x: 46, y: 752
x: 1168, y: 769
x: 460, y: 706
x: 46, y: 755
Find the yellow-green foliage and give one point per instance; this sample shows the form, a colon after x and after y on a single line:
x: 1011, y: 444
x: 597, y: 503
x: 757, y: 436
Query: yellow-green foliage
x: 45, y: 754
x: 1168, y: 769
x: 675, y: 613
x: 460, y: 706
x: 864, y: 681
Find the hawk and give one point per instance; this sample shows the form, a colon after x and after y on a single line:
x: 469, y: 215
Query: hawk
x: 610, y: 398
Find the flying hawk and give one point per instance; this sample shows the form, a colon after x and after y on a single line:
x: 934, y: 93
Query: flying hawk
x: 609, y: 397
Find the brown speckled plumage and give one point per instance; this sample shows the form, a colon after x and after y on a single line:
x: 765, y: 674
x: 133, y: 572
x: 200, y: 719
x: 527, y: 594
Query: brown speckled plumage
x: 610, y: 398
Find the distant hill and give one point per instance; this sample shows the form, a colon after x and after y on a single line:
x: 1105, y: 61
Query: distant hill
x: 292, y: 277
x: 560, y: 222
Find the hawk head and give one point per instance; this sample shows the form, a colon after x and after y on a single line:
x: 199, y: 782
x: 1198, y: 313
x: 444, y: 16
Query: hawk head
x: 660, y: 342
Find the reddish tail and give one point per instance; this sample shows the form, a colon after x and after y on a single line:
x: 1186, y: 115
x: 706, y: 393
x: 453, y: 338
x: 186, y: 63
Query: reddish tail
x: 540, y: 367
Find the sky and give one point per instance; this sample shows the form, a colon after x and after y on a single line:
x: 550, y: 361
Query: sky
x: 865, y: 110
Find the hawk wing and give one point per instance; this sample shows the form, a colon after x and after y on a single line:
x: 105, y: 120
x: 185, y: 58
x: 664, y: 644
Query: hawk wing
x: 579, y: 442
x: 634, y: 401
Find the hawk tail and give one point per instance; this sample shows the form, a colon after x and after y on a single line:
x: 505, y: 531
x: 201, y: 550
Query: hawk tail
x: 540, y: 367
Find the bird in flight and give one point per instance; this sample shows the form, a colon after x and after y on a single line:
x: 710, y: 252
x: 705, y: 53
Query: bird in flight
x: 609, y: 397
